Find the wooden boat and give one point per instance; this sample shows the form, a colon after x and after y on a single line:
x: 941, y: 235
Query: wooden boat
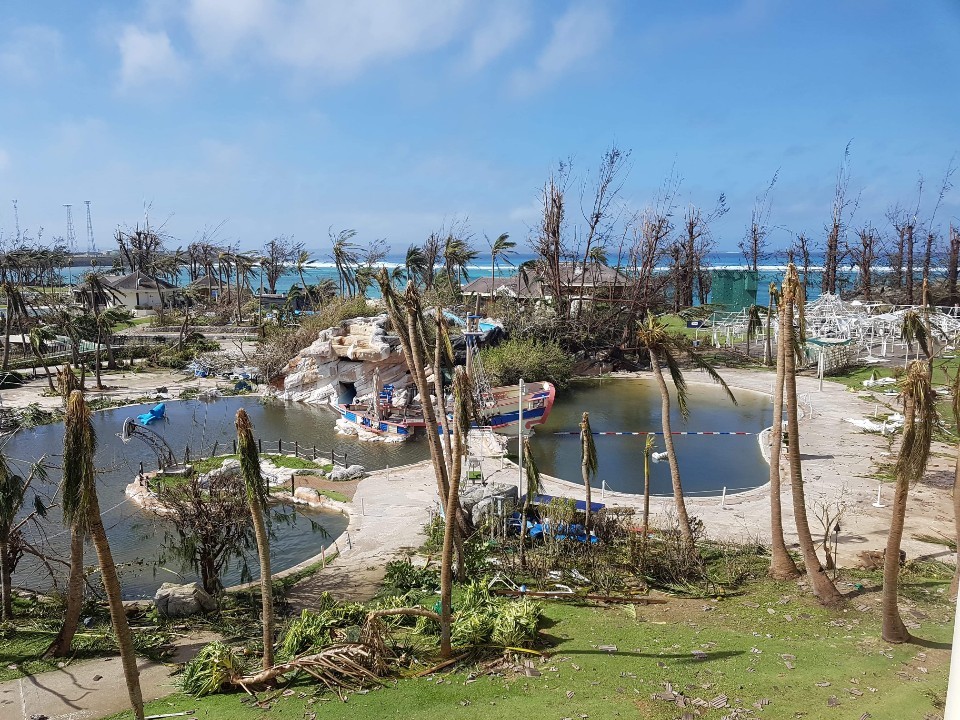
x: 500, y: 407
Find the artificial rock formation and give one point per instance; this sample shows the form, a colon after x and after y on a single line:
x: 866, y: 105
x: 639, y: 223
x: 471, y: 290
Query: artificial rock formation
x: 342, y: 359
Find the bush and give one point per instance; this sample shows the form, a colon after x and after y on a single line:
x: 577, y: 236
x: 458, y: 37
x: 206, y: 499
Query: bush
x: 405, y: 576
x: 515, y: 359
x: 210, y: 669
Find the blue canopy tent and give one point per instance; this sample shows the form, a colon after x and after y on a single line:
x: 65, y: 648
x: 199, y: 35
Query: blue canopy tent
x: 580, y: 505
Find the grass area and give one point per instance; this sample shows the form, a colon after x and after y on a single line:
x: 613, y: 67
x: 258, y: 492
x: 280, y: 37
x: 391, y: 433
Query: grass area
x: 212, y: 463
x: 770, y: 643
x: 944, y: 373
x: 334, y: 495
x: 36, y: 624
x: 291, y: 463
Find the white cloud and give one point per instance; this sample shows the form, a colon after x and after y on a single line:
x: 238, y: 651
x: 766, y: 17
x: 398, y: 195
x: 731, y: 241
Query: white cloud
x: 29, y: 53
x: 332, y: 39
x: 501, y: 29
x: 147, y: 57
x: 577, y: 34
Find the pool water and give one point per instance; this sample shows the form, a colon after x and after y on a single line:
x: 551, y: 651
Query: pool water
x: 137, y: 537
x: 708, y: 463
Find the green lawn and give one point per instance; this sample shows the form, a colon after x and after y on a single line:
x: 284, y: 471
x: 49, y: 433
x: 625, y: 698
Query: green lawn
x: 771, y: 643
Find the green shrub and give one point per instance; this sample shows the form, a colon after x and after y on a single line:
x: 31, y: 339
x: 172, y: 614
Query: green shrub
x: 506, y: 363
x: 515, y: 623
x: 405, y: 576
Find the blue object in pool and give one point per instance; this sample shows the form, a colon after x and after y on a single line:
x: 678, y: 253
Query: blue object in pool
x: 156, y: 413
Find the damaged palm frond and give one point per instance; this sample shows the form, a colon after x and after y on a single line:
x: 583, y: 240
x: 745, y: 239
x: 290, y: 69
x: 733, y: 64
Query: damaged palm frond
x: 915, y: 389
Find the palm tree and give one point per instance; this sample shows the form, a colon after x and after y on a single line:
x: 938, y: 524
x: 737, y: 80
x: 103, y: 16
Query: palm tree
x: 753, y: 324
x: 782, y: 566
x: 406, y: 317
x: 588, y: 463
x: 531, y: 474
x: 768, y: 346
x: 345, y: 258
x: 81, y: 507
x: 499, y: 250
x: 257, y: 500
x: 415, y: 265
x: 40, y: 335
x: 919, y: 421
x: 300, y: 264
x: 792, y: 297
x: 663, y: 347
x: 63, y: 642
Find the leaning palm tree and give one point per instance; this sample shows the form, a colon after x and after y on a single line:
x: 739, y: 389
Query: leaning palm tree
x: 663, y: 349
x: 415, y: 265
x: 257, y: 500
x: 300, y: 264
x: 919, y: 422
x: 782, y: 566
x: 345, y: 259
x: 792, y: 298
x: 81, y: 507
x: 588, y: 463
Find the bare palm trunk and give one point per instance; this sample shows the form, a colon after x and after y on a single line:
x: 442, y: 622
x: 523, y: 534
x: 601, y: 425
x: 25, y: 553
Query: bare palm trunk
x: 685, y: 532
x: 893, y: 628
x: 111, y: 584
x: 782, y: 566
x: 646, y: 509
x: 823, y: 589
x: 768, y: 341
x: 266, y: 583
x: 956, y: 523
x: 62, y: 644
x: 46, y: 368
x: 446, y: 562
x: 585, y: 472
x: 7, y: 323
x: 6, y: 582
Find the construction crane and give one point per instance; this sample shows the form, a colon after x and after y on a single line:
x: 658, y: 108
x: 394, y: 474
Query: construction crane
x: 91, y: 243
x: 71, y: 237
x: 16, y: 220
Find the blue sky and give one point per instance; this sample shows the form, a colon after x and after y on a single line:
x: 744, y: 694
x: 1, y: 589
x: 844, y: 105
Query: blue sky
x: 394, y: 117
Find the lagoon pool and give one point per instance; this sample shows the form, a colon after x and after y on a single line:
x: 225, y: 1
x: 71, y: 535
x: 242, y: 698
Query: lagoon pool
x: 138, y: 537
x: 708, y: 463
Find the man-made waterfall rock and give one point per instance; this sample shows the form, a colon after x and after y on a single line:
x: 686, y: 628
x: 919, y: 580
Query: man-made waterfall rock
x: 478, y: 501
x: 347, y: 354
x: 177, y: 601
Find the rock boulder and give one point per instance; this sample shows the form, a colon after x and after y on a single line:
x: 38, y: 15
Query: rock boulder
x: 175, y: 601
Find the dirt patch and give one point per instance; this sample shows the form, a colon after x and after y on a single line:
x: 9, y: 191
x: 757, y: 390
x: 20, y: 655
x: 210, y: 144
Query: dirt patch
x: 347, y: 488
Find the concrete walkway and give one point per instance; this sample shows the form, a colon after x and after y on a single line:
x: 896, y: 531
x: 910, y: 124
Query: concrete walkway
x: 387, y: 515
x: 93, y: 688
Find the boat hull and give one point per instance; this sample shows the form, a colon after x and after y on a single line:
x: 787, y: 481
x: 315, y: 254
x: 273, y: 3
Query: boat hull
x: 501, y: 411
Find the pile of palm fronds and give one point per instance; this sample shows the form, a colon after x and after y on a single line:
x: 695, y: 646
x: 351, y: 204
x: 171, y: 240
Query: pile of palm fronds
x: 484, y: 618
x: 345, y: 647
x: 316, y: 629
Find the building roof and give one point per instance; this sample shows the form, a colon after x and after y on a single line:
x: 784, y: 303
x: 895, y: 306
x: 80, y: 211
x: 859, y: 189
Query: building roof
x: 202, y: 283
x: 511, y: 286
x: 139, y: 281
